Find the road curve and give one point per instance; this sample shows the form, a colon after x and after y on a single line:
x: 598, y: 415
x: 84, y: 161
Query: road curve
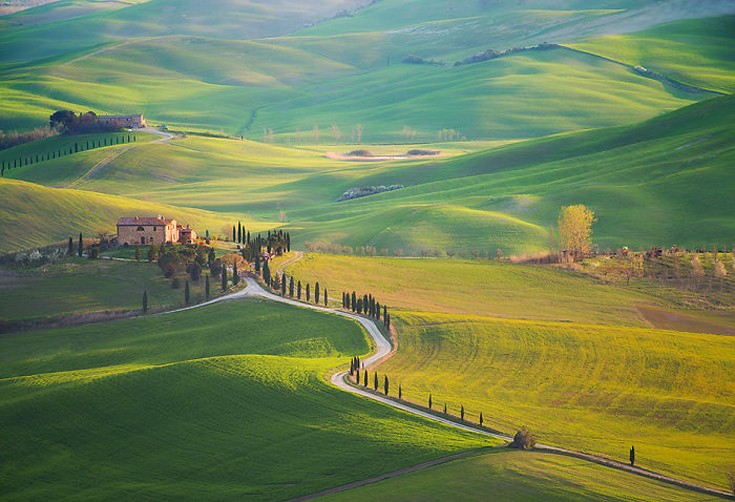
x: 383, y: 349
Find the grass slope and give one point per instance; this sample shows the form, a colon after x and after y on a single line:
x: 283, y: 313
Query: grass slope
x: 693, y: 51
x: 226, y: 401
x: 511, y: 475
x: 33, y: 215
x: 595, y: 389
x: 79, y: 285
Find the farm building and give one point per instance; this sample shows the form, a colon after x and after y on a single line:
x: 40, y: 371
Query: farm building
x: 123, y: 121
x: 146, y: 230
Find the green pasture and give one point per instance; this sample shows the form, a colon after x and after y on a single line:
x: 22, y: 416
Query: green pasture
x: 479, y: 287
x: 590, y: 388
x: 690, y: 51
x: 34, y: 215
x: 79, y: 285
x: 514, y: 475
x: 226, y: 401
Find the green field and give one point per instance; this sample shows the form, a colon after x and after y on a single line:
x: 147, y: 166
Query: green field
x: 79, y: 286
x: 510, y: 475
x: 207, y: 403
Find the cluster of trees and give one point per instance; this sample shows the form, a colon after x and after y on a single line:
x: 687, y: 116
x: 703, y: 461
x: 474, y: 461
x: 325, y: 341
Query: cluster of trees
x: 71, y: 149
x: 68, y: 122
x: 176, y: 258
x: 288, y: 286
x: 14, y: 138
x: 274, y: 242
x: 368, y: 305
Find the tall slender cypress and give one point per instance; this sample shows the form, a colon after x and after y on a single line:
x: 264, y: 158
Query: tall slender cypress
x: 206, y: 287
x: 186, y: 293
x: 299, y: 291
x: 316, y: 293
x: 70, y: 251
x: 80, y: 249
x: 326, y: 298
x: 385, y: 384
x: 365, y: 383
x: 290, y: 287
x: 224, y: 278
x: 308, y: 293
x: 375, y: 380
x: 235, y: 274
x: 145, y: 301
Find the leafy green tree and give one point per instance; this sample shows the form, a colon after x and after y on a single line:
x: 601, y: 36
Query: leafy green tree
x: 524, y: 439
x: 186, y: 293
x: 575, y: 230
x: 145, y: 301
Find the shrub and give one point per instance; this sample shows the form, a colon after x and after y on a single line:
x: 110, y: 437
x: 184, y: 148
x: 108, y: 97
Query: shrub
x: 524, y: 439
x: 360, y: 153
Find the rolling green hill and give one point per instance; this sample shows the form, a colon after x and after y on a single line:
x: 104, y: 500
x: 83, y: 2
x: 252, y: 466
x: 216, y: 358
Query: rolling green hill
x: 33, y: 215
x: 519, y: 476
x: 218, y: 403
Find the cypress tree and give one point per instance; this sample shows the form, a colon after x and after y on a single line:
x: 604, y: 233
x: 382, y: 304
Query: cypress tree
x: 145, y: 301
x: 326, y: 298
x: 290, y: 287
x: 233, y: 234
x: 316, y: 293
x: 461, y: 413
x: 206, y: 287
x: 224, y: 278
x: 387, y: 322
x: 248, y: 237
x: 70, y: 251
x: 283, y: 284
x: 375, y: 381
x: 235, y: 274
x: 365, y: 382
x: 385, y: 312
x: 445, y: 408
x: 80, y: 248
x: 354, y: 302
x: 308, y: 292
x: 266, y: 273
x: 632, y: 456
x: 299, y: 291
x: 357, y: 376
x: 385, y: 384
x: 481, y: 419
x: 343, y: 299
x: 76, y: 147
x: 288, y: 242
x: 377, y: 311
x: 359, y: 306
x: 400, y: 392
x: 431, y: 402
x: 239, y: 233
x: 257, y: 265
x: 186, y: 293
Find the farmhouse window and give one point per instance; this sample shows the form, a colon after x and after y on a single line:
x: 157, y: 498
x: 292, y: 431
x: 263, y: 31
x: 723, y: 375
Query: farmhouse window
x: 140, y: 229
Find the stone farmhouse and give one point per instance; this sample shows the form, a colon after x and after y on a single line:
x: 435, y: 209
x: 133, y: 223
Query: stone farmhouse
x: 146, y: 230
x: 123, y: 121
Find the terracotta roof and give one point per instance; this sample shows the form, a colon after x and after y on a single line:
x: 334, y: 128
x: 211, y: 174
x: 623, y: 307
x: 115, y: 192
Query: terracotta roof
x: 135, y: 221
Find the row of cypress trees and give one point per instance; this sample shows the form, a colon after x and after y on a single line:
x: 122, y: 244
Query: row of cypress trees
x: 368, y: 305
x: 78, y: 146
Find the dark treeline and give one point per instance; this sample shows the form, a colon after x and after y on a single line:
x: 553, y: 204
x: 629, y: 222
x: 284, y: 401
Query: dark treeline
x: 275, y: 242
x: 14, y: 138
x: 366, y: 305
x: 68, y: 122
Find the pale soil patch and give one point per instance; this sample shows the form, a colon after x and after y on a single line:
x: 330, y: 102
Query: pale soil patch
x: 676, y: 321
x: 380, y: 158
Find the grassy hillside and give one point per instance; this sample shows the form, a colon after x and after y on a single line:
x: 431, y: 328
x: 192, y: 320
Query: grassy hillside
x: 595, y: 389
x: 33, y: 215
x: 504, y: 198
x: 209, y: 403
x: 696, y: 52
x: 475, y: 287
x: 79, y: 285
x: 511, y: 475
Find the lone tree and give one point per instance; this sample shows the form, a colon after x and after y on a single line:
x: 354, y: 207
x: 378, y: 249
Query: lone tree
x: 632, y: 455
x: 145, y: 302
x: 431, y: 402
x: 385, y: 384
x: 575, y: 230
x: 461, y: 413
x: 400, y: 392
x: 524, y: 439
